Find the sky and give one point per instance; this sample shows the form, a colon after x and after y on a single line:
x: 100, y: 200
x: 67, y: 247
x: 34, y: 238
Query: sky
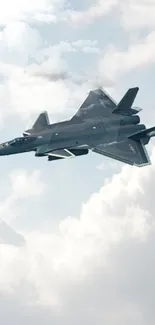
x: 77, y: 236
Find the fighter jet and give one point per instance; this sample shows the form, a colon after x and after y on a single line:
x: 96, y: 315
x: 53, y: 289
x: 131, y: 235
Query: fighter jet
x: 100, y: 125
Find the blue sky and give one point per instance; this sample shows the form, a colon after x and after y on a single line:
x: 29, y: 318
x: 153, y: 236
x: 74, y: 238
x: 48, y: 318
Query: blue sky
x: 80, y: 219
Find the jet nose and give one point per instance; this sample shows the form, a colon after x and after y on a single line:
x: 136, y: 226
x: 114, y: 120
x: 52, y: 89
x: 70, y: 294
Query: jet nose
x: 3, y: 147
x: 1, y: 150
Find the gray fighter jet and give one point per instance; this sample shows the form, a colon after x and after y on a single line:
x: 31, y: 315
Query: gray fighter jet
x: 100, y: 125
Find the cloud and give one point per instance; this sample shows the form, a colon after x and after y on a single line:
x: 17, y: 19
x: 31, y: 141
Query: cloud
x: 142, y: 14
x: 24, y: 59
x: 26, y: 185
x: 114, y: 63
x: 113, y: 164
x: 97, y: 10
x: 18, y: 42
x: 62, y: 76
x: 55, y: 68
x: 57, y: 50
x: 53, y: 11
x: 53, y: 76
x: 9, y: 236
x: 29, y: 10
x: 23, y: 185
x: 56, y: 11
x: 95, y: 266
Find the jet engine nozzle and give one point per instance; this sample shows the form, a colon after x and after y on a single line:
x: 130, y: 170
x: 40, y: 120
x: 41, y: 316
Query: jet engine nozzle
x: 130, y: 120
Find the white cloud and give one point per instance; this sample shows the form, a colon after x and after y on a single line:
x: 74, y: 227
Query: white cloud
x: 29, y: 95
x: 9, y: 236
x: 114, y: 63
x: 89, y: 262
x: 98, y: 268
x: 142, y: 13
x: 16, y: 10
x: 23, y: 185
x: 98, y: 9
x: 48, y: 11
x: 109, y: 163
x: 22, y: 92
x: 18, y: 42
x: 55, y: 11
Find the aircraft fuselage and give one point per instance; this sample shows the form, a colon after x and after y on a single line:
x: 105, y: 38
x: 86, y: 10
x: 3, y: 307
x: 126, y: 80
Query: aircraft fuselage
x: 61, y: 135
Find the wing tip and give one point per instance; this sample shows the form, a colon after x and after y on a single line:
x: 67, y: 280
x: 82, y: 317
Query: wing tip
x: 136, y: 89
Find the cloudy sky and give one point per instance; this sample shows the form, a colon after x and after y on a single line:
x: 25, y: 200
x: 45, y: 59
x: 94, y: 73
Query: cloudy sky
x: 77, y: 237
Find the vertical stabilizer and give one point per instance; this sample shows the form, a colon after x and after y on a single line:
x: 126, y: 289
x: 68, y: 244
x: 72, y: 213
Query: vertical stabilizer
x: 41, y: 123
x: 124, y: 106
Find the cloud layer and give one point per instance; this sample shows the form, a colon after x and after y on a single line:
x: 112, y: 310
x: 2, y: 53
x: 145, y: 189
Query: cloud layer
x: 93, y: 266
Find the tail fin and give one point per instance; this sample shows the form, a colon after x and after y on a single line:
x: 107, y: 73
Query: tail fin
x: 41, y: 123
x: 124, y: 106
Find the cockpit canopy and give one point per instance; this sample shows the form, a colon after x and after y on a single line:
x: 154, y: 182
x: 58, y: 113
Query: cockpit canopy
x: 18, y: 141
x: 21, y: 141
